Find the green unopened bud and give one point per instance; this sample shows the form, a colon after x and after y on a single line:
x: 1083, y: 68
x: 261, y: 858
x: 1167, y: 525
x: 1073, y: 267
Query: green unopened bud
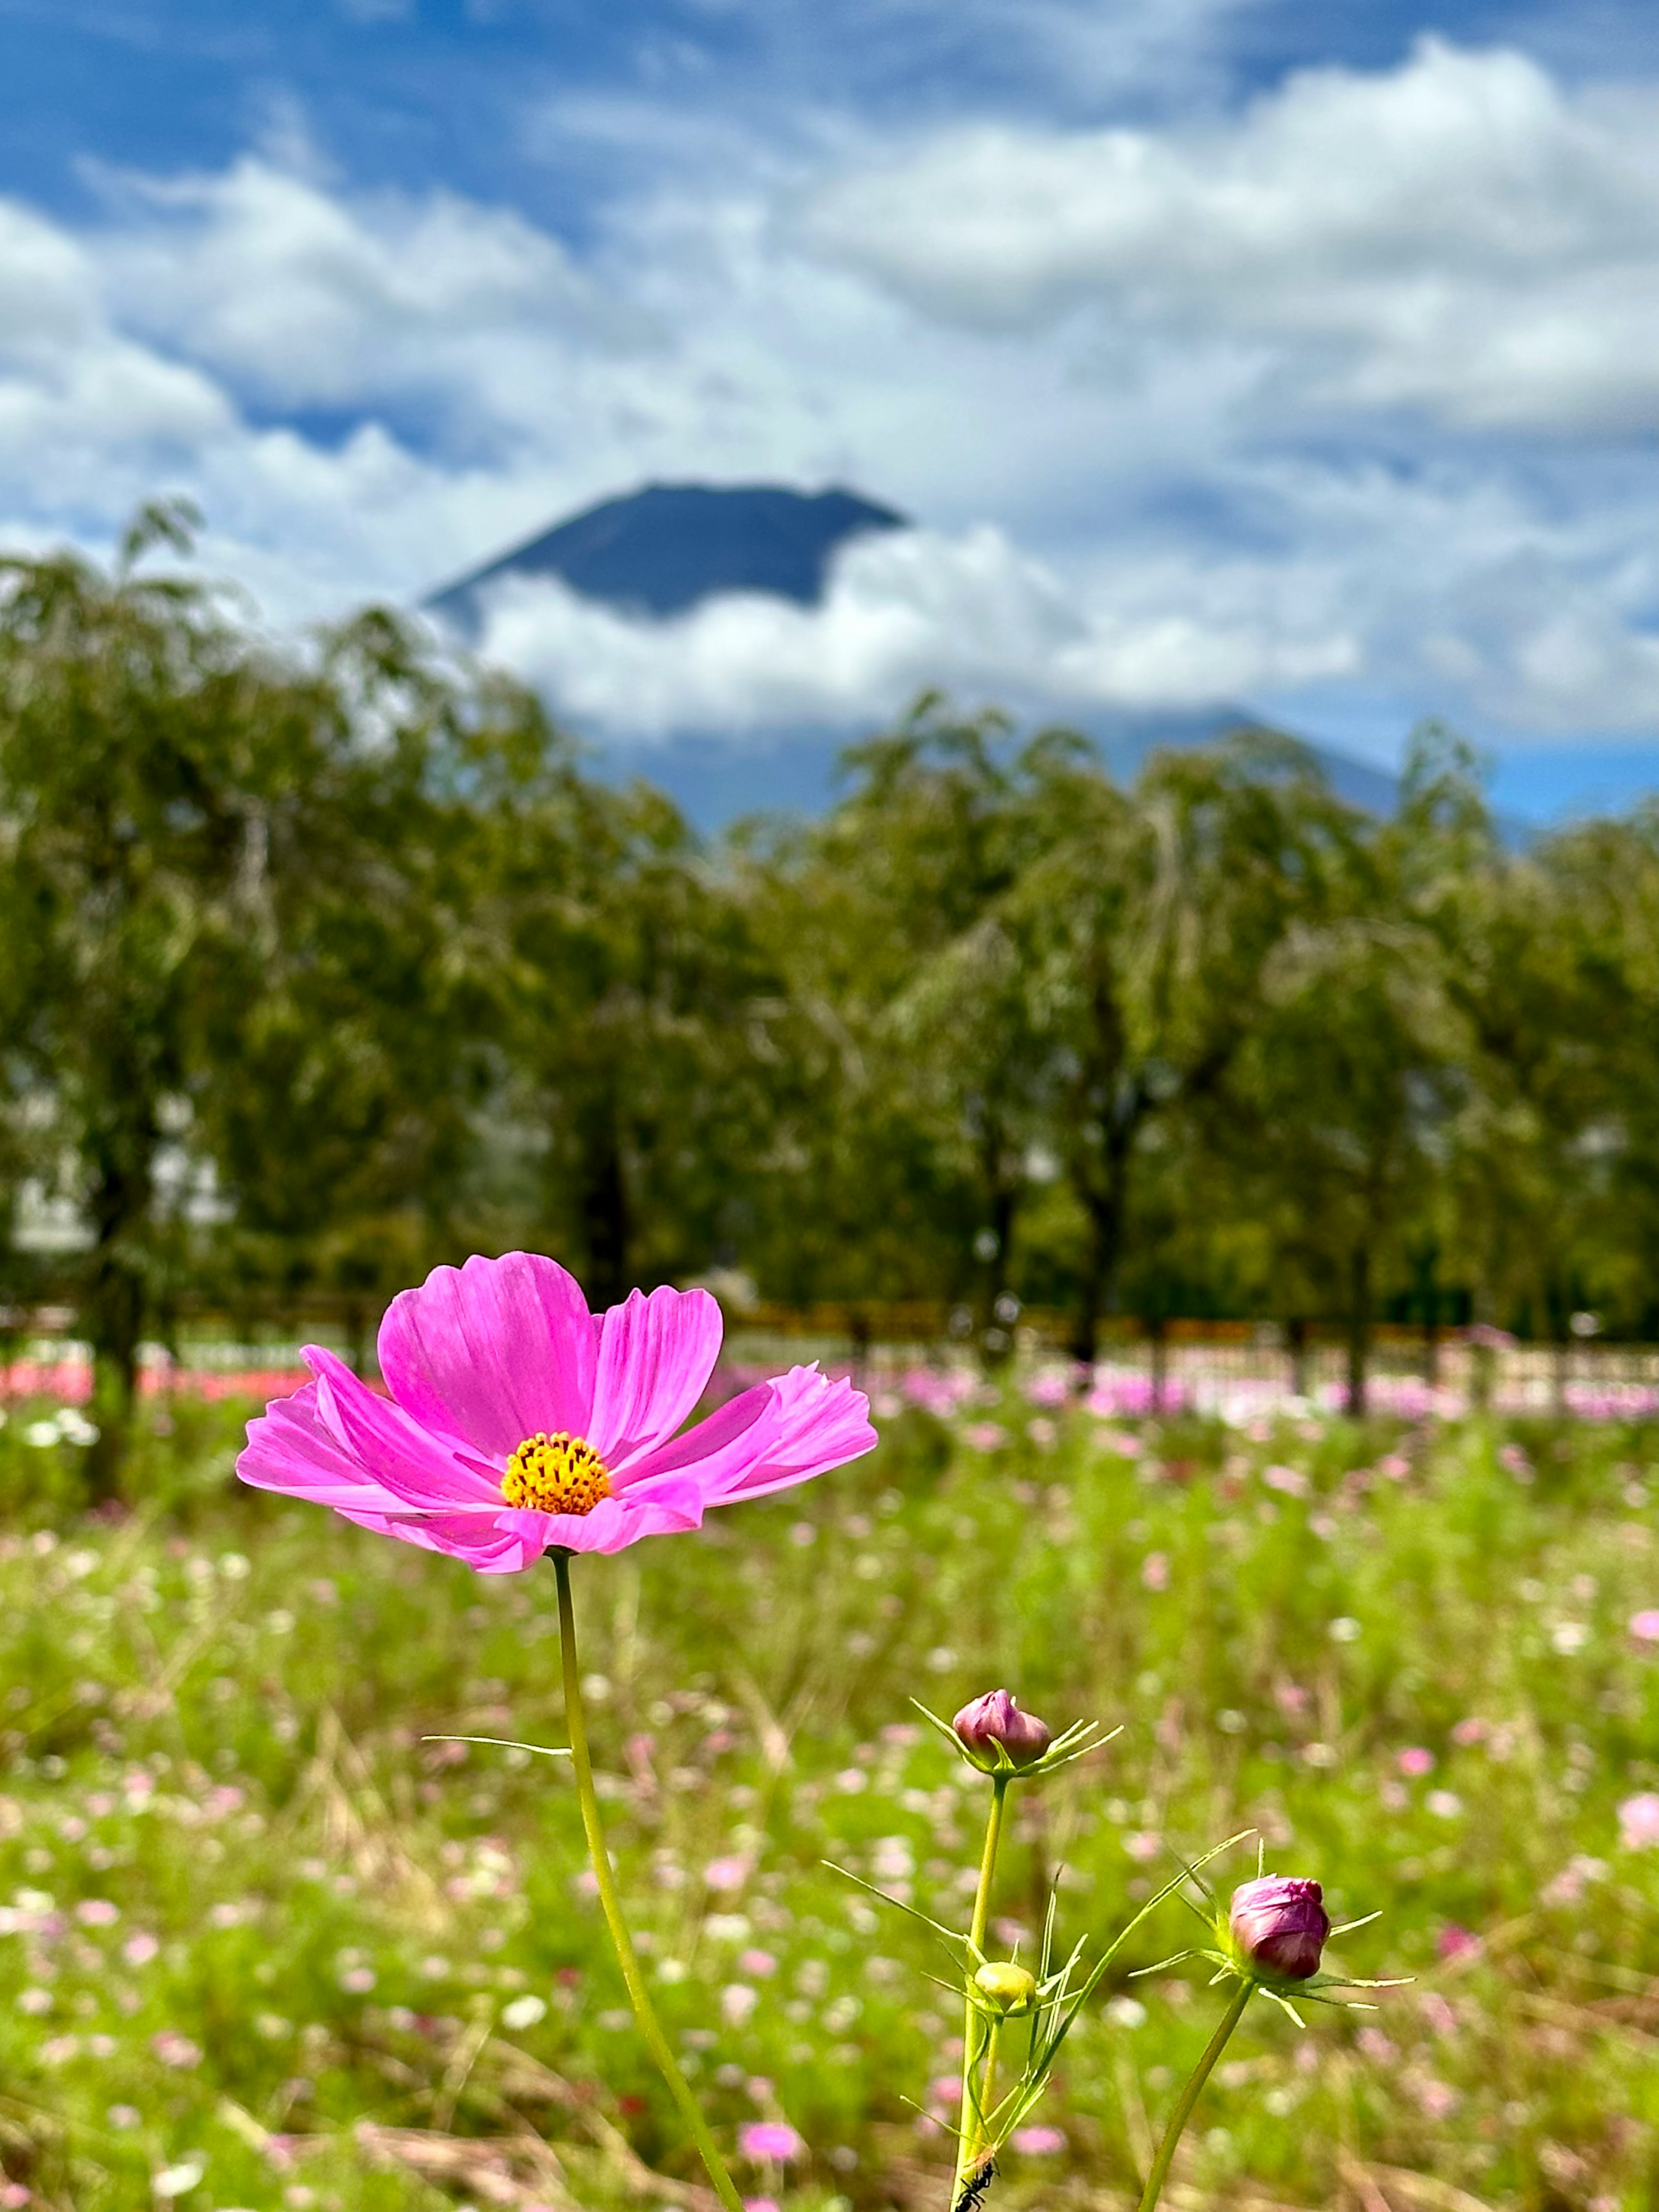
x: 1005, y: 1987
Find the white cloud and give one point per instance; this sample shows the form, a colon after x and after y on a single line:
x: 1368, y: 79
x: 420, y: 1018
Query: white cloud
x: 904, y: 610
x: 1110, y: 342
x: 318, y: 296
x: 1459, y: 233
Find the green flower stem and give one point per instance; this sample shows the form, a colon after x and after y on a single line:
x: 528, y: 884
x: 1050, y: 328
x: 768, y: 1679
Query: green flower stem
x: 968, y: 2143
x: 1189, y: 2095
x: 650, y: 2026
x: 987, y: 2100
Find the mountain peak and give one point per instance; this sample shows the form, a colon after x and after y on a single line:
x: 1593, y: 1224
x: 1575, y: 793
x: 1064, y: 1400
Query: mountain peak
x: 663, y: 550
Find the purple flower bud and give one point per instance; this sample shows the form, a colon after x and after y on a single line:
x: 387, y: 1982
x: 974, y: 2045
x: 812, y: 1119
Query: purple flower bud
x: 996, y: 1719
x: 1281, y: 1923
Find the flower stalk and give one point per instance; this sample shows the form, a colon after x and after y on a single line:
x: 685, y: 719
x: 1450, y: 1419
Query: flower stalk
x: 969, y: 2142
x: 1189, y: 2096
x: 645, y: 2014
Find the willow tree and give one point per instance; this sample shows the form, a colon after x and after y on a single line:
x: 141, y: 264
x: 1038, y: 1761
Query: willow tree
x: 1153, y: 919
x: 226, y: 907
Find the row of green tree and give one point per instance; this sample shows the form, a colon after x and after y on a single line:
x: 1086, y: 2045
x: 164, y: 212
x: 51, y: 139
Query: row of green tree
x: 316, y: 968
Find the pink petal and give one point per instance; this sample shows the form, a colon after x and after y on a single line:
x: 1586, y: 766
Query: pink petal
x: 656, y: 1355
x: 288, y: 1449
x: 466, y: 1536
x: 728, y: 1440
x: 820, y: 1423
x: 417, y: 1468
x: 777, y: 1434
x: 656, y: 1509
x: 494, y: 1351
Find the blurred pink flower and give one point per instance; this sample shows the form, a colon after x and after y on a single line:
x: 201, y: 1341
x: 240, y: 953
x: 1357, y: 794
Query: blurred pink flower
x: 760, y: 2204
x: 175, y: 2050
x: 945, y: 2089
x: 97, y: 1912
x: 1472, y: 1730
x: 1415, y: 1761
x: 1036, y: 2143
x: 1289, y: 1481
x: 1155, y: 1570
x: 1456, y: 1943
x: 729, y: 1873
x: 984, y: 1436
x: 1438, y: 2099
x: 138, y: 1950
x: 770, y: 2139
x: 760, y: 1964
x: 1638, y: 1821
x: 1049, y: 1390
x: 519, y: 1421
x: 1645, y: 1626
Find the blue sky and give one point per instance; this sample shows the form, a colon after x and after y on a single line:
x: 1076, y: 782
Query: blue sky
x: 1264, y: 355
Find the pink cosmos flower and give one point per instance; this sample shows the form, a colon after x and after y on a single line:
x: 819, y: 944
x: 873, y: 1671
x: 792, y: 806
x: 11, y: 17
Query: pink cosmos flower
x: 519, y: 1422
x: 1645, y: 1626
x: 1415, y: 1761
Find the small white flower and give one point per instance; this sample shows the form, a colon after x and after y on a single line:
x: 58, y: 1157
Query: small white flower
x: 1345, y: 1629
x: 524, y: 2012
x: 1569, y: 1636
x: 179, y: 2180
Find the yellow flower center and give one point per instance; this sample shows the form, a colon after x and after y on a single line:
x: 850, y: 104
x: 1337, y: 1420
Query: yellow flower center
x: 555, y: 1474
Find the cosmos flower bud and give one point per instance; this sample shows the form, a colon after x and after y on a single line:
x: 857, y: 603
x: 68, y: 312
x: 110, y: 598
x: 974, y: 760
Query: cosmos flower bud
x: 1280, y: 1923
x: 995, y: 1719
x: 1005, y: 1987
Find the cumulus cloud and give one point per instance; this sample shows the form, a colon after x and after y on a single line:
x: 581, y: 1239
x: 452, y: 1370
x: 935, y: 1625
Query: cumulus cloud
x: 1255, y: 406
x: 906, y: 610
x: 1459, y: 232
x: 310, y: 295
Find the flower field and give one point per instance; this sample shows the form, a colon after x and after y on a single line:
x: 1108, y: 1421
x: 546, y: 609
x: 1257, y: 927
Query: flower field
x: 264, y: 1944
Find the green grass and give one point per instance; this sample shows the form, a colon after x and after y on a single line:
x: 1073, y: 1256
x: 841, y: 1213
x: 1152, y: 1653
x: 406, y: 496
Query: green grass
x: 319, y: 1986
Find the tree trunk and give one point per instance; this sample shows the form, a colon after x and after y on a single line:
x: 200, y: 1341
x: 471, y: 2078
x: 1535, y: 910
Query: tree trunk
x: 858, y: 1331
x: 996, y: 1336
x: 1157, y: 1340
x: 604, y: 1216
x: 1359, y: 1332
x: 1104, y: 1205
x: 115, y: 1320
x: 1295, y: 1343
